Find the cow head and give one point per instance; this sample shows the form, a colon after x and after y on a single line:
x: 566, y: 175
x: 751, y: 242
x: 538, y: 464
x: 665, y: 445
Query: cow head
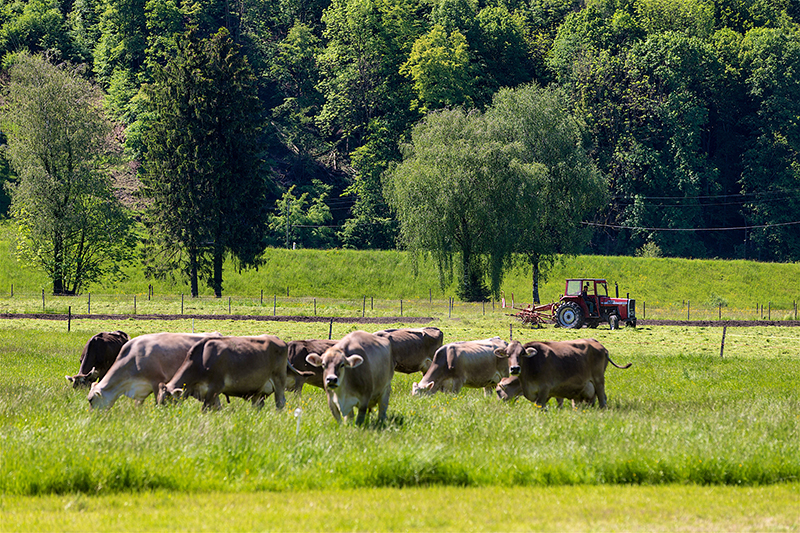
x: 509, y: 388
x: 167, y: 394
x: 420, y: 388
x: 333, y: 363
x: 83, y: 380
x: 515, y: 352
x: 97, y: 400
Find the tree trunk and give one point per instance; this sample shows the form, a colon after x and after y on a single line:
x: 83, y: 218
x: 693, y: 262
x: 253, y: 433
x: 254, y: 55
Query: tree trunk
x: 58, y: 265
x: 216, y: 281
x: 193, y: 271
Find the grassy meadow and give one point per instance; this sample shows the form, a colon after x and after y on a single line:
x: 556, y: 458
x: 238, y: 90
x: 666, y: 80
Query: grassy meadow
x: 691, y: 441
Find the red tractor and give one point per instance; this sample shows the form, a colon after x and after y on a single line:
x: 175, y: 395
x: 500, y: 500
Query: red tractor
x: 586, y: 301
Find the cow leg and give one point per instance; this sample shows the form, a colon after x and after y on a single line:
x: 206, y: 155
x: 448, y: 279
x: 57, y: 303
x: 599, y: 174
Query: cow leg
x: 362, y: 414
x: 384, y: 405
x: 280, y: 398
x: 334, y: 407
x: 487, y: 391
x: 600, y: 387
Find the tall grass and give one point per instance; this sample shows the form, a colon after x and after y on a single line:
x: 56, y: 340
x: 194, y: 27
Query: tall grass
x: 681, y: 414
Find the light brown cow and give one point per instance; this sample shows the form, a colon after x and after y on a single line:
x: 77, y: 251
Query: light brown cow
x: 413, y: 349
x: 572, y: 369
x: 245, y: 367
x: 357, y: 373
x: 298, y: 350
x: 98, y: 355
x: 510, y: 388
x: 465, y: 364
x: 143, y: 363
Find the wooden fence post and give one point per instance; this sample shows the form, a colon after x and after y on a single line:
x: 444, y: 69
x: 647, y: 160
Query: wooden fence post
x: 330, y: 329
x: 722, y: 346
x: 69, y: 318
x: 181, y: 303
x: 134, y: 304
x: 42, y: 300
x: 229, y: 305
x: 315, y: 307
x: 274, y: 304
x: 89, y: 304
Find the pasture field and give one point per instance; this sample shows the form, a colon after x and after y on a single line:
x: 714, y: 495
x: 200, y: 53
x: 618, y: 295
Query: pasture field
x: 691, y: 441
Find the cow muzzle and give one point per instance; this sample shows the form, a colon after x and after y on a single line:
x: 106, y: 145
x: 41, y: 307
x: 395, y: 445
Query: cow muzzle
x: 331, y: 382
x: 514, y: 370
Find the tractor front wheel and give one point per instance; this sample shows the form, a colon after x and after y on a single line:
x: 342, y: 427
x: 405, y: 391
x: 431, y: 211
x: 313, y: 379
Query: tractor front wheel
x: 570, y: 315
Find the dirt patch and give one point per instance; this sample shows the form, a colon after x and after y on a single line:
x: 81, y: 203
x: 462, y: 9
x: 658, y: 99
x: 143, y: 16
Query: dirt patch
x: 719, y: 323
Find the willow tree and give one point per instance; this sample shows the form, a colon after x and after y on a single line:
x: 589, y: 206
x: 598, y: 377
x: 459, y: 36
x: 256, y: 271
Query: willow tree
x: 453, y: 194
x: 60, y: 144
x: 570, y: 189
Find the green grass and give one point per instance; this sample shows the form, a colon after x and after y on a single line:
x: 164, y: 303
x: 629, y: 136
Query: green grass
x: 681, y: 415
x: 502, y: 508
x: 338, y: 280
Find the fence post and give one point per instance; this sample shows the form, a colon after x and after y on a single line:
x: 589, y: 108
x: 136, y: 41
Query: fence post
x: 330, y: 329
x: 69, y: 319
x: 364, y: 307
x: 181, y: 303
x: 644, y: 310
x: 229, y: 305
x: 42, y: 300
x: 371, y: 303
x: 262, y: 296
x: 720, y: 311
x: 134, y: 304
x: 722, y: 346
x: 12, y: 290
x: 315, y: 307
x: 511, y: 332
x: 484, y: 307
x: 688, y: 309
x: 89, y: 304
x: 769, y: 311
x: 401, y: 307
x: 274, y: 304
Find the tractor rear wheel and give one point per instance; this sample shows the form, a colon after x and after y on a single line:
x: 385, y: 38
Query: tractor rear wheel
x: 570, y: 315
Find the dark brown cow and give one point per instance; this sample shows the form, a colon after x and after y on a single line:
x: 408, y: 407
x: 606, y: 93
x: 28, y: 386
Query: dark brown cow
x: 97, y: 357
x: 560, y: 369
x: 465, y: 364
x: 357, y: 373
x: 246, y: 367
x: 413, y: 349
x: 298, y: 351
x: 143, y: 363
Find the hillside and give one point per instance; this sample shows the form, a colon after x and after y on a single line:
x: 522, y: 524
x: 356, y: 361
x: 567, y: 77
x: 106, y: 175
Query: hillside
x: 390, y: 275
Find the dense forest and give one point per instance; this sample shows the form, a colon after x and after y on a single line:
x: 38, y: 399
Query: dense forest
x: 689, y: 109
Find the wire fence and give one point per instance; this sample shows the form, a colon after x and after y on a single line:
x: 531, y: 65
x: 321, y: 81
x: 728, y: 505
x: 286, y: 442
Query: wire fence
x: 275, y: 305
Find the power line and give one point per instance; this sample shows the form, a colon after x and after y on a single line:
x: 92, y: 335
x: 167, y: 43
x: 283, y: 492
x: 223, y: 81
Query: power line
x: 643, y: 228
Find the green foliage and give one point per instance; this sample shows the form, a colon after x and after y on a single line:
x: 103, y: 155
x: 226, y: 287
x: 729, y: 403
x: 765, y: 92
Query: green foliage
x: 59, y: 144
x: 308, y: 220
x: 201, y: 166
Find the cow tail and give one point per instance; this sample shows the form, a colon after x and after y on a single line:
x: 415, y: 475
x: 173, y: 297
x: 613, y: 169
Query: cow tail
x: 616, y: 365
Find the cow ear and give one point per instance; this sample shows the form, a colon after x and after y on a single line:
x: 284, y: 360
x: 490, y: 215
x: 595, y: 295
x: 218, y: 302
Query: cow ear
x: 314, y: 359
x: 530, y: 352
x: 354, y: 360
x: 70, y: 379
x: 501, y: 353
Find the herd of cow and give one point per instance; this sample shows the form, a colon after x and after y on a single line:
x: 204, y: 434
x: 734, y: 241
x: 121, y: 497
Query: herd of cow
x: 356, y: 371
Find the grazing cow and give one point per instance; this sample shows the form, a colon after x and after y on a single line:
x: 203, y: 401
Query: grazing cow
x: 357, y: 372
x: 143, y: 363
x: 298, y: 350
x: 246, y: 367
x: 562, y: 369
x: 413, y: 349
x: 98, y: 355
x: 510, y: 388
x: 473, y: 364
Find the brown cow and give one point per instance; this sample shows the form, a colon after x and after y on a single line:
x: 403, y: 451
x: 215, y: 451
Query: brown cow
x: 572, y: 369
x: 246, y: 367
x: 357, y: 372
x: 465, y: 364
x: 298, y: 350
x: 413, y: 349
x: 143, y: 363
x: 97, y: 357
x: 510, y: 388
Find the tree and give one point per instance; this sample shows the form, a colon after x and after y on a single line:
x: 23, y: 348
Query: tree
x: 308, y: 221
x: 454, y: 194
x: 568, y: 188
x: 60, y: 146
x: 202, y: 167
